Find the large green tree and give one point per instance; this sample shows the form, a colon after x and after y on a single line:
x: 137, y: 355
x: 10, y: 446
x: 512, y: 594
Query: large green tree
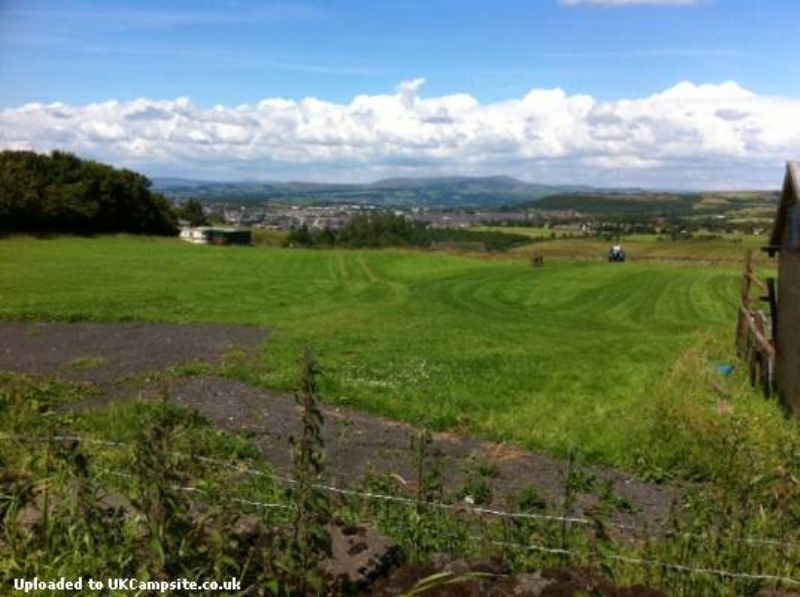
x: 62, y: 193
x: 192, y: 212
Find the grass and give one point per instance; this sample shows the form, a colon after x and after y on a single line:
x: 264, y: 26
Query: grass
x: 561, y: 357
x: 530, y: 231
x: 159, y: 501
x: 56, y: 520
x: 728, y: 249
x: 84, y: 363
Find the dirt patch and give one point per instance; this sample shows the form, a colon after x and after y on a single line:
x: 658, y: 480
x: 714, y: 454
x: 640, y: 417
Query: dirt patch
x: 491, y: 578
x: 102, y: 352
x: 355, y: 442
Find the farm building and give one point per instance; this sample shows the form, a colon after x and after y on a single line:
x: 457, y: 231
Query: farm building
x: 208, y: 235
x: 785, y: 240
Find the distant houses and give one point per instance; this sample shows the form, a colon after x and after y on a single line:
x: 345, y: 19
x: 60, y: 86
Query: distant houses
x: 785, y: 241
x: 214, y: 235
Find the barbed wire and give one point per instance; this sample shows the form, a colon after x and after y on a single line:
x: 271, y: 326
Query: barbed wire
x: 460, y: 507
x: 648, y: 563
x: 682, y: 568
x: 557, y: 550
x: 193, y: 489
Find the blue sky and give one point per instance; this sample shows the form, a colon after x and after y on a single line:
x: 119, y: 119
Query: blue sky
x: 232, y: 53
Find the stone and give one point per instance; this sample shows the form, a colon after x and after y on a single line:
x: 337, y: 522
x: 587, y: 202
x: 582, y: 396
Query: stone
x: 359, y: 555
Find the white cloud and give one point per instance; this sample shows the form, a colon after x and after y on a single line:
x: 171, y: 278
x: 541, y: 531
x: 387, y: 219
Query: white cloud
x: 631, y: 2
x: 713, y: 135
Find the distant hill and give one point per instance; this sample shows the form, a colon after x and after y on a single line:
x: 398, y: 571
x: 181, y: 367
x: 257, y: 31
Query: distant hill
x: 466, y: 184
x: 652, y: 203
x: 178, y: 183
x: 447, y: 191
x: 484, y: 192
x: 630, y: 203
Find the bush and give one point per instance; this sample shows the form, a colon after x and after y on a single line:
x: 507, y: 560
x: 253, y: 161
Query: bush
x: 61, y: 193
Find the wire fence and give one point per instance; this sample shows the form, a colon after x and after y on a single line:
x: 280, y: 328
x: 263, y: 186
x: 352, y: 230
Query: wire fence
x: 653, y: 563
x: 192, y: 489
x: 458, y: 507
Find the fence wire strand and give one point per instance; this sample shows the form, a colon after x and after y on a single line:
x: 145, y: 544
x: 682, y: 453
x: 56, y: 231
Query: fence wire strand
x: 649, y: 563
x: 461, y: 507
x: 457, y: 507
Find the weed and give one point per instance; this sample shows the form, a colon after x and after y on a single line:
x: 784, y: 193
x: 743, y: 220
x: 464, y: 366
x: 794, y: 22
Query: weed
x: 56, y: 521
x: 86, y: 363
x: 478, y: 476
x: 310, y: 542
x: 190, y: 369
x: 580, y: 481
x: 529, y: 499
x: 568, y: 501
x: 612, y: 500
x: 164, y: 510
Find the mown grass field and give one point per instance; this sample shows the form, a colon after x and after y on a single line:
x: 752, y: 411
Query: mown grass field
x: 721, y: 250
x: 563, y: 356
x: 725, y: 248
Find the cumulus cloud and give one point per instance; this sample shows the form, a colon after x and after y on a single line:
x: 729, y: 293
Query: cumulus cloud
x: 714, y: 135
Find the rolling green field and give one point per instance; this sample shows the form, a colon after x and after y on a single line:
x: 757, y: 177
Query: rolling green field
x: 531, y: 231
x: 728, y: 248
x: 719, y: 250
x: 563, y: 356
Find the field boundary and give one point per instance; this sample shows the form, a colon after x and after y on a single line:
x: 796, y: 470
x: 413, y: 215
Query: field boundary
x: 458, y: 507
x: 755, y: 333
x: 571, y: 553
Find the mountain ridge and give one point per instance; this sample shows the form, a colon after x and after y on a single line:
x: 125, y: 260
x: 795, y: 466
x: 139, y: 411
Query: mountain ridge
x: 430, y: 191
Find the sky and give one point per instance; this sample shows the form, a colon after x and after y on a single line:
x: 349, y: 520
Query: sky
x: 655, y: 93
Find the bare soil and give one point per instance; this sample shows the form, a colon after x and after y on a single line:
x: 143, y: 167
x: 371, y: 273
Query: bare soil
x: 108, y: 355
x: 495, y: 580
x: 106, y: 352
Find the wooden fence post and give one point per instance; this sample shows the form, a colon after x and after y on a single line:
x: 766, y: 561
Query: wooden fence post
x: 752, y: 343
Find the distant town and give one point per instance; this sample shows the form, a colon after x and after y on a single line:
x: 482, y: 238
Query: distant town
x: 284, y: 217
x: 467, y: 202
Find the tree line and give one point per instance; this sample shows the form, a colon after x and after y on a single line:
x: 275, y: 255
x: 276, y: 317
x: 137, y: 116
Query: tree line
x: 61, y: 193
x: 390, y: 230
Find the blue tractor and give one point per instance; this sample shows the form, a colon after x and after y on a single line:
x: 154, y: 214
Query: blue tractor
x: 616, y: 254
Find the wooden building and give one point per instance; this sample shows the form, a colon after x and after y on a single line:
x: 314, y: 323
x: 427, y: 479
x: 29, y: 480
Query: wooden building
x: 785, y: 241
